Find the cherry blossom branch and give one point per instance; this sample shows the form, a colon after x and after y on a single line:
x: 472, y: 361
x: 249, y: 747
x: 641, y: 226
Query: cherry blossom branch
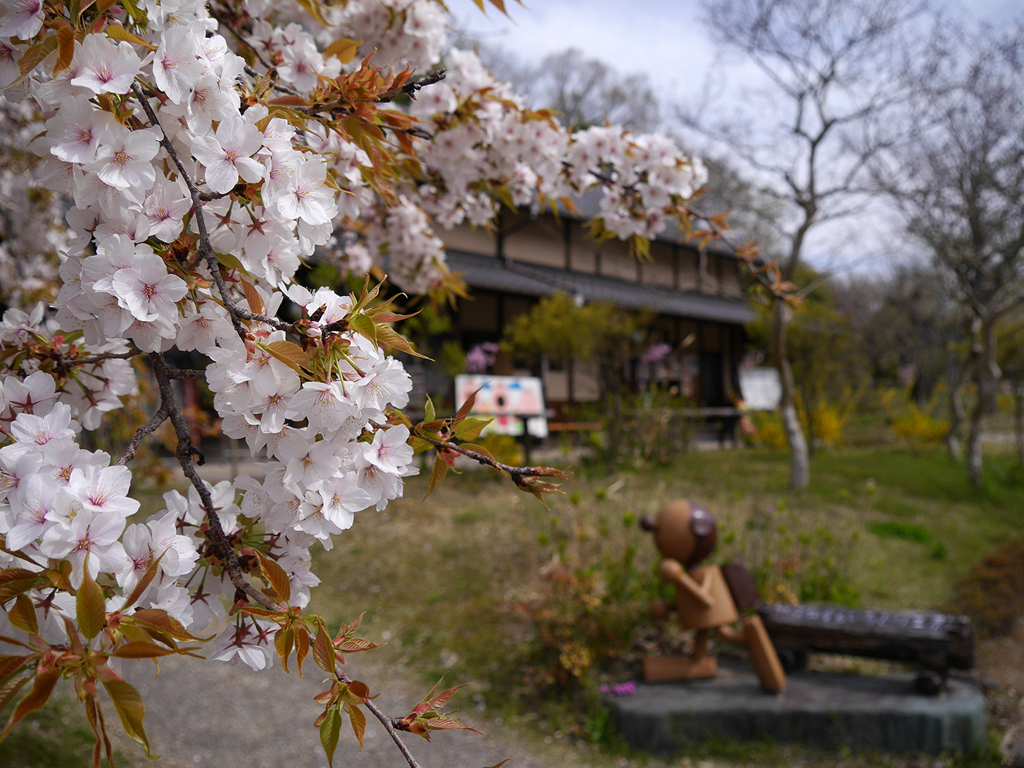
x: 184, y: 453
x: 63, y: 364
x: 187, y: 373
x: 518, y: 474
x: 410, y: 87
x: 149, y: 427
x: 205, y: 250
x: 387, y: 722
x: 758, y: 273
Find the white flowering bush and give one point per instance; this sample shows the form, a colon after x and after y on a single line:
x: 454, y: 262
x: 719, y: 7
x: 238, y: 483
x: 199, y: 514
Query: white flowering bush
x: 193, y: 156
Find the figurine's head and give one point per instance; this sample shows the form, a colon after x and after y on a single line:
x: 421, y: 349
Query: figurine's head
x: 683, y: 531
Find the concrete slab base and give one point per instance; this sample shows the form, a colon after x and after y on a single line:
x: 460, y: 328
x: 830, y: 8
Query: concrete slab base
x: 818, y: 709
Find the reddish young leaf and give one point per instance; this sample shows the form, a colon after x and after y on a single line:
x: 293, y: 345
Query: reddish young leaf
x: 301, y: 646
x: 358, y: 720
x: 45, y: 680
x: 143, y: 650
x: 437, y: 702
x: 355, y: 645
x: 23, y: 615
x: 276, y: 575
x: 467, y: 407
x: 289, y: 353
x: 437, y: 473
x: 323, y: 650
x: 283, y: 642
x: 144, y: 582
x: 10, y: 689
x: 11, y: 665
x: 253, y: 298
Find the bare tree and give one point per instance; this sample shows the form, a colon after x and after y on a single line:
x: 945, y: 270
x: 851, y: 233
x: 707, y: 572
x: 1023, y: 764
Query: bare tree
x: 830, y: 69
x: 959, y: 184
x: 584, y: 91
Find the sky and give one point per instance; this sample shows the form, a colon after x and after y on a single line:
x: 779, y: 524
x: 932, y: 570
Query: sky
x: 666, y: 40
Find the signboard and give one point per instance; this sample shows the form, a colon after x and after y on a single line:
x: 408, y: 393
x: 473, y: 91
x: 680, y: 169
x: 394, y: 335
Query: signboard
x: 509, y: 400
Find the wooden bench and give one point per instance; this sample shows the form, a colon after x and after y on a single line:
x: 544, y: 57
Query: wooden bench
x: 936, y: 642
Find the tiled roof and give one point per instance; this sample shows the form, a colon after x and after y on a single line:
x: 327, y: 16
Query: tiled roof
x: 492, y: 273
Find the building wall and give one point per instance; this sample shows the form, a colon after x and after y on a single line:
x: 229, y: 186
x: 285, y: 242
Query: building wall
x: 706, y: 353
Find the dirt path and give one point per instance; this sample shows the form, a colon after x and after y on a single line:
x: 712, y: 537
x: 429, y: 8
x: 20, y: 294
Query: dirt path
x: 225, y: 716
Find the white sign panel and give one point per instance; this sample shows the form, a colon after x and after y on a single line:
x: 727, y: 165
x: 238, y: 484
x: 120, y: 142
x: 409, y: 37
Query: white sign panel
x: 508, y: 400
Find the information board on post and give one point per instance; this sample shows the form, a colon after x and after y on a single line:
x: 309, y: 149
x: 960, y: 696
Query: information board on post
x: 511, y: 401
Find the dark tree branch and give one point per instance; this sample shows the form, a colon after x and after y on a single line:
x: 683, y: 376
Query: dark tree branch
x: 387, y: 722
x: 185, y: 452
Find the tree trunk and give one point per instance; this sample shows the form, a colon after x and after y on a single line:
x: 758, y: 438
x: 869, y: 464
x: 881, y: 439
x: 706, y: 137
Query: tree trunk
x: 1018, y: 402
x: 800, y: 467
x: 956, y: 414
x: 986, y: 376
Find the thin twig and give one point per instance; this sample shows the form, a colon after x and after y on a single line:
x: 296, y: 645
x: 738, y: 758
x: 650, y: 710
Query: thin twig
x: 205, y: 250
x: 387, y: 722
x: 410, y: 87
x: 63, y: 364
x: 516, y: 473
x: 187, y: 373
x: 149, y: 427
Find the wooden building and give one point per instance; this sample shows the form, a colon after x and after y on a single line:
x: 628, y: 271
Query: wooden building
x: 698, y: 299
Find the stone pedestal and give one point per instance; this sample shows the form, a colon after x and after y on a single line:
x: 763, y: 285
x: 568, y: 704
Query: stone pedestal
x: 818, y: 709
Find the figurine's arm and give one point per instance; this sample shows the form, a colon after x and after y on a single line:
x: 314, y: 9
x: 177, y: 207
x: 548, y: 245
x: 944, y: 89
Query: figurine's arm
x: 672, y: 571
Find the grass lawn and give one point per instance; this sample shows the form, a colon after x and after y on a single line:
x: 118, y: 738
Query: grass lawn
x: 443, y: 580
x: 450, y: 582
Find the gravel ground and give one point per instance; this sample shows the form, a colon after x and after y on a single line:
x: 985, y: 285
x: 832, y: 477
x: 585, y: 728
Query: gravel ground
x: 227, y: 716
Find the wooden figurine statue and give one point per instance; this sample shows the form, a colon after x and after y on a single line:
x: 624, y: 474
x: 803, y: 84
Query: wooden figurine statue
x: 707, y: 598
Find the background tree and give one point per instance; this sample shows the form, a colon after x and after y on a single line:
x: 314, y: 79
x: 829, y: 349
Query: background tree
x: 830, y: 68
x: 584, y: 91
x: 1010, y: 359
x: 557, y: 328
x: 829, y: 362
x: 958, y: 182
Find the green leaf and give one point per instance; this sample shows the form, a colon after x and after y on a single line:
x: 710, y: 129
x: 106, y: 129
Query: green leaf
x: 330, y: 730
x: 428, y: 410
x: 388, y: 335
x: 130, y: 708
x: 90, y: 607
x: 364, y: 326
x: 117, y: 32
x: 469, y: 429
